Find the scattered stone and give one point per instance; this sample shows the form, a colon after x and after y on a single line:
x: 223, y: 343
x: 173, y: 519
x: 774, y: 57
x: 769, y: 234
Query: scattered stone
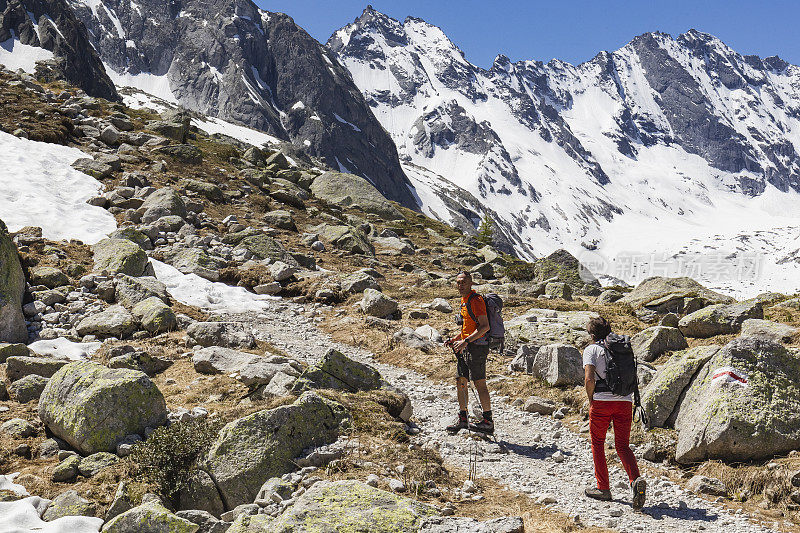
x: 69, y: 503
x: 374, y: 303
x: 27, y: 389
x: 18, y: 428
x: 441, y: 305
x: 227, y: 334
x: 119, y: 256
x: 114, y: 321
x: 719, y: 319
x: 535, y: 404
x: 94, y: 463
x: 280, y: 271
x: 337, y: 371
x: 78, y: 399
x: 651, y: 343
x: 155, y: 316
x: 359, y: 282
x: 706, y: 485
x: 130, y: 291
x: 196, y: 261
x: 50, y: 277
x: 67, y: 469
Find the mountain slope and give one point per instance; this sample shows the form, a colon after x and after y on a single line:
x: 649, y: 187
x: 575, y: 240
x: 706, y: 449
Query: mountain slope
x: 660, y: 144
x: 47, y: 30
x: 229, y: 59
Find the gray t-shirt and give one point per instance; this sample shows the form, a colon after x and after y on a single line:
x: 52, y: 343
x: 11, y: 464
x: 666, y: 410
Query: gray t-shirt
x: 596, y: 355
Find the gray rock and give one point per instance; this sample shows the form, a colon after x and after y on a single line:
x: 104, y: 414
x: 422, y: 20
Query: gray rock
x: 143, y: 361
x: 523, y: 361
x: 67, y: 469
x: 280, y: 271
x: 374, y: 303
x: 122, y: 501
x: 280, y: 219
x: 203, y: 188
x: 162, y: 202
x: 706, y: 485
x: 12, y: 289
x: 19, y: 367
x: 544, y: 326
x: 349, y: 190
x: 94, y: 463
x: 50, y: 277
x: 93, y: 168
x: 129, y: 290
x: 263, y: 444
x: 359, y: 282
x: 27, y: 389
x: 226, y: 334
x: 724, y: 419
x: 441, y: 305
x: 486, y: 270
x: 150, y: 517
x: 559, y: 364
x: 665, y: 295
x: 252, y: 370
x: 719, y: 319
x: 196, y: 261
x: 110, y: 135
x: 79, y: 398
x: 337, y: 371
x: 119, y: 256
x: 608, y: 296
x: 774, y: 331
x: 651, y: 343
x: 207, y: 522
x: 270, y: 289
x: 345, y: 238
x: 9, y: 350
x: 200, y: 494
x: 69, y: 503
x: 558, y: 289
x: 441, y: 524
x: 793, y: 303
x: 408, y: 337
x: 662, y: 394
x: 185, y: 153
x: 18, y: 428
x: 114, y: 321
x: 535, y: 404
x: 155, y: 316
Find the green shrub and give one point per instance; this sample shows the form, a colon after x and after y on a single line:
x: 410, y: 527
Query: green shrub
x: 520, y: 271
x: 169, y: 458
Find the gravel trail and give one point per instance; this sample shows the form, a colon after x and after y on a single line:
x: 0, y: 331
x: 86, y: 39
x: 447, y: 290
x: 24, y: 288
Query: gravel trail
x: 536, y: 455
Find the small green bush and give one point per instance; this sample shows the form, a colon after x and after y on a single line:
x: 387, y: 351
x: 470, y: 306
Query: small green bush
x: 169, y: 458
x: 521, y: 271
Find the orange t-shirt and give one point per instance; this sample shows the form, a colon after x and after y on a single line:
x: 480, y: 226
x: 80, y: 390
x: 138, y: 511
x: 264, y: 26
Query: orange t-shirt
x: 468, y: 326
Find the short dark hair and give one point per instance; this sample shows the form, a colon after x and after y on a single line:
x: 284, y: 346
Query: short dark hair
x: 465, y: 274
x: 599, y: 328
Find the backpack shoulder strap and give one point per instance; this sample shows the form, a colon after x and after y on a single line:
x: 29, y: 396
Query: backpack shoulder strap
x: 469, y: 307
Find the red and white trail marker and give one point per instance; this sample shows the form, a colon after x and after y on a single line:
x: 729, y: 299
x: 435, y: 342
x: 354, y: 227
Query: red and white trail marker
x: 729, y: 375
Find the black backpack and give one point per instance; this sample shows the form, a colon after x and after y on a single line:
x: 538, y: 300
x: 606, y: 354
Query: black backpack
x: 621, y: 376
x: 495, y: 338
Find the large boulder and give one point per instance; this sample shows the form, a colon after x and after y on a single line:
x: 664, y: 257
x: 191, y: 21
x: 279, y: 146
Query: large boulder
x: 359, y: 282
x: 262, y: 445
x: 348, y: 505
x: 50, y: 277
x: 119, y: 256
x: 251, y: 369
x: 669, y: 295
x: 539, y: 327
x: 129, y: 291
x: 754, y: 327
x: 17, y: 367
x: 161, y: 203
x: 408, y: 337
x: 375, y: 303
x: 662, y: 394
x: 12, y: 289
x: 93, y: 407
x: 265, y: 247
x: 743, y: 405
x: 719, y: 319
x: 198, y: 262
x: 345, y: 238
x: 559, y: 364
x: 150, y: 517
x: 114, y: 321
x: 28, y: 388
x: 337, y: 371
x: 651, y: 343
x: 564, y: 267
x: 227, y: 334
x: 349, y: 190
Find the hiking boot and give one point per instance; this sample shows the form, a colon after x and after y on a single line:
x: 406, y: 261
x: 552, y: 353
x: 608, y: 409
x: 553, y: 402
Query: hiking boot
x: 458, y: 425
x: 597, y: 494
x: 639, y: 487
x: 484, y: 426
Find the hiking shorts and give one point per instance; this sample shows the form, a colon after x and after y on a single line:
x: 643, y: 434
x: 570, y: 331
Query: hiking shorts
x: 472, y: 362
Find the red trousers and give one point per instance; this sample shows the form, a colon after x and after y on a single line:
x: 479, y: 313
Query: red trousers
x: 600, y: 416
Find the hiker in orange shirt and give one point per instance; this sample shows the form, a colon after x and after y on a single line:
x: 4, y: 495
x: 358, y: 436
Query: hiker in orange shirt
x: 472, y: 349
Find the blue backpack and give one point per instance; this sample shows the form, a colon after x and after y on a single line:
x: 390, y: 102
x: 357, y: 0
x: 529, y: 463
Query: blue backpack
x: 495, y: 338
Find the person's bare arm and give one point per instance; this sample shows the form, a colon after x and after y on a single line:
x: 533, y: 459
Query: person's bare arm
x: 588, y: 381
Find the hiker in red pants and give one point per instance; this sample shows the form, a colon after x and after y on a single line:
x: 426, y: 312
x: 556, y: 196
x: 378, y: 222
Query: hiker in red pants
x: 605, y: 407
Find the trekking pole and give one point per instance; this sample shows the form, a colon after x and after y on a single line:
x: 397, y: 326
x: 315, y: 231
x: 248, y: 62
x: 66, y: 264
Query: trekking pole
x: 473, y: 454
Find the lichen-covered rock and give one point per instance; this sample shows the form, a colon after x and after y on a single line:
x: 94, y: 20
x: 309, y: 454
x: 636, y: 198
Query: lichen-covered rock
x: 768, y: 329
x: 67, y: 469
x: 665, y: 295
x: 150, y: 517
x: 18, y: 428
x: 337, y: 371
x: 349, y: 190
x: 558, y: 289
x: 539, y: 327
x: 134, y: 235
x: 719, y: 319
x: 345, y: 238
x: 652, y: 342
x: 185, y: 153
x: 92, y: 464
x: 10, y: 350
x: 114, y: 321
x: 129, y: 291
x: 119, y: 256
x: 27, y: 389
x: 280, y: 219
x: 19, y: 367
x: 348, y: 506
x: 250, y: 369
x: 12, y: 288
x: 608, y: 296
x: 227, y: 334
x: 69, y: 503
x: 721, y: 417
x: 559, y: 364
x: 203, y: 188
x: 93, y: 407
x: 163, y: 202
x: 375, y: 303
x: 50, y: 277
x: 262, y: 445
x: 155, y: 316
x: 196, y: 261
x: 661, y: 396
x: 202, y: 494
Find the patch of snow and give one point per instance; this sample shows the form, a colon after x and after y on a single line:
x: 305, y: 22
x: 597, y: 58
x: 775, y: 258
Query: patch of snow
x: 40, y: 188
x: 212, y: 125
x: 299, y: 105
x: 343, y: 121
x: 136, y: 99
x: 342, y: 168
x: 63, y: 348
x: 15, y: 55
x: 7, y: 483
x: 157, y: 85
x: 307, y: 143
x: 191, y: 289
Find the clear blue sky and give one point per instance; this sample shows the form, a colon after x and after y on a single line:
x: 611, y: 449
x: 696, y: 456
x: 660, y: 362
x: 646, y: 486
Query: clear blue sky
x: 573, y: 31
